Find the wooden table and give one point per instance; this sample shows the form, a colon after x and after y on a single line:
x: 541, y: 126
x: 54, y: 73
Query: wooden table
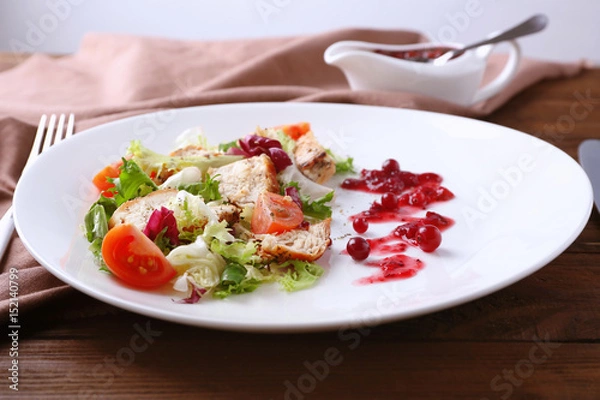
x: 537, y: 339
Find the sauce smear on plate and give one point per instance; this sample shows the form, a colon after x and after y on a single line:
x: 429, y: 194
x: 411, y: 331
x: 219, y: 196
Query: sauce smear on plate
x: 404, y: 194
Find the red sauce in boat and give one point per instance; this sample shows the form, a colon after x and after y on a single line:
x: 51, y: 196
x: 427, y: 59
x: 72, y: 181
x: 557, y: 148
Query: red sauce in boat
x: 404, y: 194
x: 419, y: 55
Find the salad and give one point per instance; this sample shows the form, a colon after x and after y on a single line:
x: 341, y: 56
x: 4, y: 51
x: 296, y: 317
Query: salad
x: 217, y: 220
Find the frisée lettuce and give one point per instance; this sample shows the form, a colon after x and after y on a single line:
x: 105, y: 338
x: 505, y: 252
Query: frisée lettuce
x: 156, y: 165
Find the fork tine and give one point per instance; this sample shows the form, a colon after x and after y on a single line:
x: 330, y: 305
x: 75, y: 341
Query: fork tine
x: 49, y: 133
x: 37, y: 141
x: 59, y: 129
x: 70, y: 126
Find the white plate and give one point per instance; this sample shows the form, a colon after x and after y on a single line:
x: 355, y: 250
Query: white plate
x: 519, y: 203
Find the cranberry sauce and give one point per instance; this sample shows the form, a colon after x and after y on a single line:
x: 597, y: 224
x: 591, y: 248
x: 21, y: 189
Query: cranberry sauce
x: 404, y: 194
x: 424, y: 233
x: 418, y: 55
x: 399, y: 188
x: 398, y: 266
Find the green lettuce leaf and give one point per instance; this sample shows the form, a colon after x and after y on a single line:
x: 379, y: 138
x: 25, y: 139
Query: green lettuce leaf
x: 302, y: 275
x: 190, y: 236
x: 234, y: 281
x: 96, y: 226
x: 109, y: 204
x: 132, y: 183
x: 245, y: 286
x: 317, y: 209
x: 163, y: 242
x: 96, y: 223
x: 287, y: 143
x: 238, y: 251
x: 217, y: 230
x: 208, y: 190
x: 342, y: 165
x: 226, y: 146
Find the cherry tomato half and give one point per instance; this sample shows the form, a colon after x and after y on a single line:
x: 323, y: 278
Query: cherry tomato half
x: 274, y: 213
x: 134, y: 258
x: 110, y: 171
x: 295, y: 131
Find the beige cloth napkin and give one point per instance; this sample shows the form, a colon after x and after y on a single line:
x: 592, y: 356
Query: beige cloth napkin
x: 113, y: 76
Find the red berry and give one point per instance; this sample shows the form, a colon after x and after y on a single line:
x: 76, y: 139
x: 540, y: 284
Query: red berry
x: 358, y: 248
x: 428, y: 238
x: 390, y: 165
x: 417, y: 198
x: 360, y: 225
x: 389, y: 201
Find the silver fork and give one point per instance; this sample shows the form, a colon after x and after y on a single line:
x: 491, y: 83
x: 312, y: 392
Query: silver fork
x: 44, y: 138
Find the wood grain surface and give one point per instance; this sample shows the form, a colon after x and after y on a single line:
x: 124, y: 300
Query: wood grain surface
x: 537, y: 339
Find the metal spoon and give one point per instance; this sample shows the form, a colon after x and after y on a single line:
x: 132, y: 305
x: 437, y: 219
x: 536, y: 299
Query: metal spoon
x: 532, y: 25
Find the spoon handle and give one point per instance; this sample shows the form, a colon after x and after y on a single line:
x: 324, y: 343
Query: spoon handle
x: 532, y: 25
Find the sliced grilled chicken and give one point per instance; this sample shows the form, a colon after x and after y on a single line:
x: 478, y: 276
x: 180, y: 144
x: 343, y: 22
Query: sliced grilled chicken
x: 138, y: 211
x: 312, y: 159
x: 226, y: 212
x: 241, y: 182
x: 192, y: 150
x: 300, y: 244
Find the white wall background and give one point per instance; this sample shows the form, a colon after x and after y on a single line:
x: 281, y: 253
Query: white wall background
x: 57, y: 25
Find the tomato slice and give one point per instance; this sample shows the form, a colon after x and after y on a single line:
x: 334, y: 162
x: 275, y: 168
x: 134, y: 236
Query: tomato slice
x: 134, y: 258
x: 110, y: 171
x: 274, y: 213
x: 295, y: 131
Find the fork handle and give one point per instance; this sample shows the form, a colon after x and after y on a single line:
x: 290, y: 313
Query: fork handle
x: 7, y: 227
